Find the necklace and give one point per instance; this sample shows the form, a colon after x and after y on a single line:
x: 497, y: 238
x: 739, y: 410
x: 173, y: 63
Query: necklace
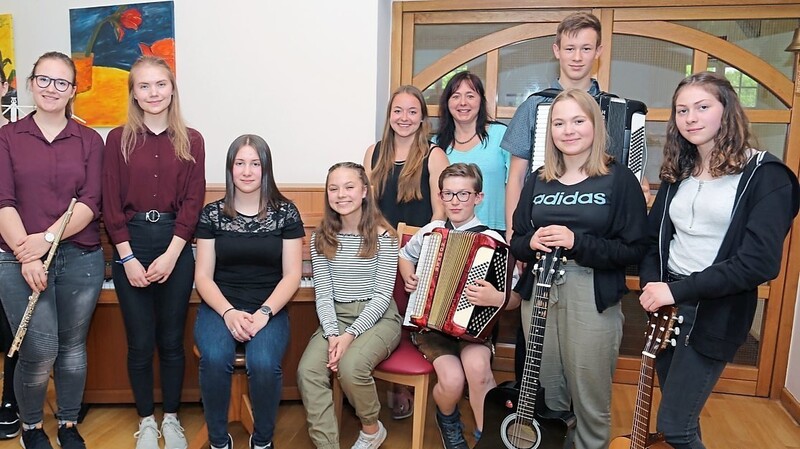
x: 466, y: 141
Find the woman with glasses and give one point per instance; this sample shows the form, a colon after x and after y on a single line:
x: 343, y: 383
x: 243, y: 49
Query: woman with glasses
x: 46, y: 159
x: 467, y: 134
x: 593, y: 208
x: 151, y: 225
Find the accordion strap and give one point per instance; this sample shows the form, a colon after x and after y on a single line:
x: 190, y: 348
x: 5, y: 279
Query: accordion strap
x: 552, y: 92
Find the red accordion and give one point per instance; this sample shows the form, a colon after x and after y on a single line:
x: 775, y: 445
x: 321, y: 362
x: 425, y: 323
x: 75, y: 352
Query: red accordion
x: 449, y: 262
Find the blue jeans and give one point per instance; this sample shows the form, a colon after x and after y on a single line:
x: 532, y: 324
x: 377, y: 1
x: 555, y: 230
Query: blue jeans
x: 687, y: 378
x: 56, y: 337
x: 264, y: 354
x: 155, y: 316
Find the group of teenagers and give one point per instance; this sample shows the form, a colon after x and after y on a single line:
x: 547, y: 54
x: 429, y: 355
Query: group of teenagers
x: 714, y: 233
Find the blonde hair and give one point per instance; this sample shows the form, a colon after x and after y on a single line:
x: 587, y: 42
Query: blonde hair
x: 176, y: 127
x: 597, y: 162
x: 409, y: 182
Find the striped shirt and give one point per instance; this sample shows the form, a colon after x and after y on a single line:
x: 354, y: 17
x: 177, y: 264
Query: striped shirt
x: 348, y: 278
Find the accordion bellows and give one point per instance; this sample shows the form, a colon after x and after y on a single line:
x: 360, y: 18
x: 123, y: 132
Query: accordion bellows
x: 449, y: 262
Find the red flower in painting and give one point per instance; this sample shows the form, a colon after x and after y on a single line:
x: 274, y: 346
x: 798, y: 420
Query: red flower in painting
x: 162, y: 48
x: 121, y: 19
x: 131, y: 19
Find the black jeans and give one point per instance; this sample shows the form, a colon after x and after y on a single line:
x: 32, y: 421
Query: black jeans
x: 6, y: 338
x: 155, y: 316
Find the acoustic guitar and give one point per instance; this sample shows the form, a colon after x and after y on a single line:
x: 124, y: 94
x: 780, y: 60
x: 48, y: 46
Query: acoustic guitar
x: 661, y: 326
x: 516, y: 416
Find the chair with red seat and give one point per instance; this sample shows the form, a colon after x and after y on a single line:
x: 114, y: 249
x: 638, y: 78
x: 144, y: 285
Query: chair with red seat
x: 406, y: 365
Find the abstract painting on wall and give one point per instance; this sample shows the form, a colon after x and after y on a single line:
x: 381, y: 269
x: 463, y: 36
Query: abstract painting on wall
x: 106, y: 41
x: 7, y: 60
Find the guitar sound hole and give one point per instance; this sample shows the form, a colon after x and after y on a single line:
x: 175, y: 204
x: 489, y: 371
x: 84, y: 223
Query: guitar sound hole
x: 522, y: 436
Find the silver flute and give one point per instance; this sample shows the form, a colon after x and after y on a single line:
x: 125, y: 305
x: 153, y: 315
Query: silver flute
x: 34, y: 297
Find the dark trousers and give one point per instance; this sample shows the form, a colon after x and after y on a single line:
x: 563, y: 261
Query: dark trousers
x: 6, y: 338
x: 687, y: 378
x: 155, y: 316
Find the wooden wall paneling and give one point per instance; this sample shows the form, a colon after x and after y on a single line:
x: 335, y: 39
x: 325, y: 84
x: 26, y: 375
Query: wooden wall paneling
x: 755, y: 67
x: 707, y: 13
x: 490, y: 83
x: 471, y: 5
x: 407, y: 53
x: 791, y: 404
x: 525, y: 16
x: 603, y: 68
x: 699, y: 61
x: 480, y: 46
x: 396, y: 52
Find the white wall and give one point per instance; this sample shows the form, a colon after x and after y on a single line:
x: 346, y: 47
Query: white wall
x: 310, y: 76
x: 793, y: 370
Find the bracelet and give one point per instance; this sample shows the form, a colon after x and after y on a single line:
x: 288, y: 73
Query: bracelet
x: 127, y: 258
x: 226, y: 311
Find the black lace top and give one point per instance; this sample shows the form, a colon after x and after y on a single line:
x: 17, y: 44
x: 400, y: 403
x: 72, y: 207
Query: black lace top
x: 249, y: 250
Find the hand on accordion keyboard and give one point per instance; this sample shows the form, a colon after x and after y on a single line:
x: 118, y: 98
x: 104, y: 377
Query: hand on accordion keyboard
x: 410, y: 283
x: 483, y: 293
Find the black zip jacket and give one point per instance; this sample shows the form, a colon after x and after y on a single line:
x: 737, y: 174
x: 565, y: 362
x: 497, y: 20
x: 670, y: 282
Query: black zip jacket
x: 767, y: 200
x: 623, y: 241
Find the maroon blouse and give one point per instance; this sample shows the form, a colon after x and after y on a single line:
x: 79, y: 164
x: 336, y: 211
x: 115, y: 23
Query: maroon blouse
x: 39, y: 178
x: 153, y: 179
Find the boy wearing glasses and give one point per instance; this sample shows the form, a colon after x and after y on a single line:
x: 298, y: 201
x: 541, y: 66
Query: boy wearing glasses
x: 455, y: 360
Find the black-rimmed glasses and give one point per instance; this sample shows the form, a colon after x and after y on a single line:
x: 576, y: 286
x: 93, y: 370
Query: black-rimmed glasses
x: 60, y: 84
x: 462, y: 195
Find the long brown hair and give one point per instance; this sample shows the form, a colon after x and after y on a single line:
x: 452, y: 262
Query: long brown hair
x: 327, y: 241
x: 69, y: 63
x: 176, y: 126
x: 731, y: 144
x: 597, y: 162
x: 270, y: 196
x: 408, y: 184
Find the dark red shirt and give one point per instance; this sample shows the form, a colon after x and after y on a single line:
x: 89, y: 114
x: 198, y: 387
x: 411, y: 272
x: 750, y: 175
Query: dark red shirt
x: 152, y: 179
x: 39, y: 178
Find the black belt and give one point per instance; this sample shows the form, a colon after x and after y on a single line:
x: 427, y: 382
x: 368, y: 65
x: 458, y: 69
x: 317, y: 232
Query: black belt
x: 153, y: 216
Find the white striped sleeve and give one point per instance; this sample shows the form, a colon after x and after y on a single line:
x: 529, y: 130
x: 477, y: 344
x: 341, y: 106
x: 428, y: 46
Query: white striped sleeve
x: 383, y: 285
x: 323, y: 291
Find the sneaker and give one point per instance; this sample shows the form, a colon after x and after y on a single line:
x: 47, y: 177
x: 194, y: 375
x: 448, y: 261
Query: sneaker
x: 9, y: 421
x: 228, y: 445
x: 255, y: 446
x: 173, y: 433
x: 35, y: 439
x: 374, y: 441
x: 451, y: 428
x: 147, y: 436
x: 69, y: 438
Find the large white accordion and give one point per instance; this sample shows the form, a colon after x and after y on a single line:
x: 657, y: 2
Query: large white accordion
x: 625, y: 123
x: 449, y: 262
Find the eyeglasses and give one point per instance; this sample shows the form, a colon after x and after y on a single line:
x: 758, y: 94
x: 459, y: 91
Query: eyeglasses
x: 462, y: 195
x: 61, y: 84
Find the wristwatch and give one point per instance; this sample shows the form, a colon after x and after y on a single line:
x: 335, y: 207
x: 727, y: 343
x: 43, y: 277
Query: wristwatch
x: 266, y: 310
x: 49, y: 237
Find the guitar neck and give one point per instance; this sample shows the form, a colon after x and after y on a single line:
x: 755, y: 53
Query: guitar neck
x: 644, y: 401
x: 533, y: 358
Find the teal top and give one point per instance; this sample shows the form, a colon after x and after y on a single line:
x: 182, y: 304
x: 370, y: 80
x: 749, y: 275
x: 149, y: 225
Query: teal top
x: 493, y: 162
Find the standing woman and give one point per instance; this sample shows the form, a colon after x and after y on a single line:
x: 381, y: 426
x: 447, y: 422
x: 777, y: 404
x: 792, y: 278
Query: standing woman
x: 354, y: 255
x: 46, y: 159
x: 468, y: 135
x: 9, y: 410
x: 592, y: 207
x: 716, y: 229
x: 403, y: 167
x: 249, y: 263
x: 151, y: 225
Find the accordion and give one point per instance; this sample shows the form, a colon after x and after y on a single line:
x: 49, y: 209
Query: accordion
x: 449, y: 262
x: 624, y: 124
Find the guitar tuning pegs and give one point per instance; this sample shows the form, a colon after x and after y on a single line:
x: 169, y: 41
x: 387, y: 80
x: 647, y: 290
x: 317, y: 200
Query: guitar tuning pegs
x: 680, y: 319
x: 561, y: 272
x: 676, y: 331
x: 673, y: 342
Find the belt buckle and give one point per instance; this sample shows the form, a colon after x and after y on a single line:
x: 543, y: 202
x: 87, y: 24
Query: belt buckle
x: 152, y: 216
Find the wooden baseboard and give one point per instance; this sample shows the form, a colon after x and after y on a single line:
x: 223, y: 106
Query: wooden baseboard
x: 791, y: 404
